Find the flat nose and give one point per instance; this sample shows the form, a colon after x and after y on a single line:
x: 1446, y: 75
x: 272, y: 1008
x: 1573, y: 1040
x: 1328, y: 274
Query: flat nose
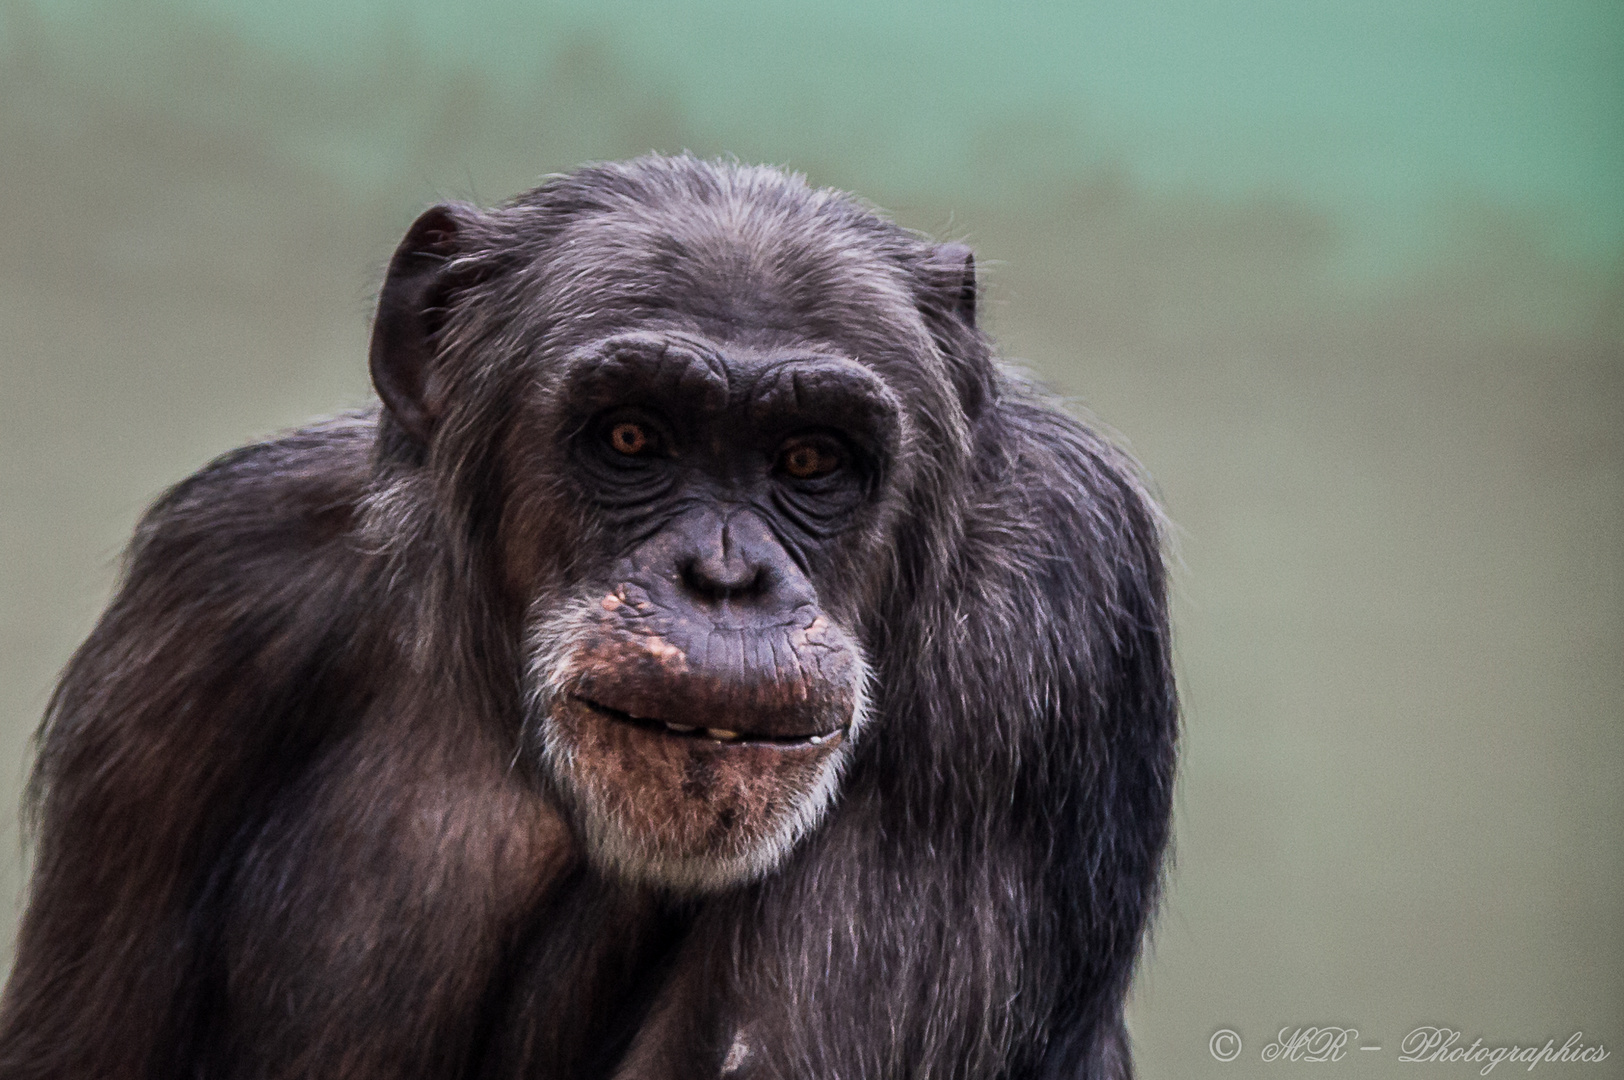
x: 729, y: 558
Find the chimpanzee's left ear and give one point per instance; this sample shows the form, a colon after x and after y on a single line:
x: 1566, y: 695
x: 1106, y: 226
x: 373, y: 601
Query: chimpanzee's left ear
x: 948, y: 299
x: 411, y: 310
x: 953, y: 273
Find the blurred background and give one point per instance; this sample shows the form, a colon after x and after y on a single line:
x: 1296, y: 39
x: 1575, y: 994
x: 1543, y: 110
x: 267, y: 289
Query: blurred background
x: 1348, y: 278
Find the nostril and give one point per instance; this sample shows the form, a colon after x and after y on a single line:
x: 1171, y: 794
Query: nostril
x: 755, y: 582
x: 692, y: 579
x: 714, y: 580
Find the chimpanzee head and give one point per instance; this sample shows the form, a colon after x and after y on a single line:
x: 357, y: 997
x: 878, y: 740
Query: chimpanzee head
x: 691, y: 420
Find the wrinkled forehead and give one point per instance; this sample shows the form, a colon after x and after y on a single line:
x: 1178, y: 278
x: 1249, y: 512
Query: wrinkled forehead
x: 736, y: 274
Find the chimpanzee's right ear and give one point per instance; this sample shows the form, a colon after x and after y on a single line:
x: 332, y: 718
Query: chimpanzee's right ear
x: 411, y: 310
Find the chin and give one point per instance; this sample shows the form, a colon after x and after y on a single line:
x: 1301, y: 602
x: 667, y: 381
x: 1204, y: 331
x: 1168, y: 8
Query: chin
x: 681, y: 786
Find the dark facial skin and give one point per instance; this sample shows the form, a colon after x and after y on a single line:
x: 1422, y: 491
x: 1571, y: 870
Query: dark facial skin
x: 698, y: 706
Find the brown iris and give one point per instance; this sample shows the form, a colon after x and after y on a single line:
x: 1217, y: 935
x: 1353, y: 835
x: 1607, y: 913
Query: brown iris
x: 628, y: 438
x: 807, y: 460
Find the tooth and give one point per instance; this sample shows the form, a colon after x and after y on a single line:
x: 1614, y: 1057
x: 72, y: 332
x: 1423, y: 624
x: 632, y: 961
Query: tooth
x: 718, y: 733
x: 817, y: 740
x: 680, y: 729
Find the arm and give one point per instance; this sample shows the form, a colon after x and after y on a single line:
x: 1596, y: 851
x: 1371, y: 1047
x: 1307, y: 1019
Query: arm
x: 265, y: 843
x: 186, y: 703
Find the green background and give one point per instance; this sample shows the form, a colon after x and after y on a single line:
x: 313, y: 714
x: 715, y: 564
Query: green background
x: 1349, y: 279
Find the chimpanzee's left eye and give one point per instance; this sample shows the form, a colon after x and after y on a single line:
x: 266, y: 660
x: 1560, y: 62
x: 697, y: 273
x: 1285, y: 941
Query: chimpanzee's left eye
x: 808, y: 459
x: 630, y: 438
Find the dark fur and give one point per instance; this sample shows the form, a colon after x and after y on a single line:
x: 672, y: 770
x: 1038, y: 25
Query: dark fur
x: 289, y: 825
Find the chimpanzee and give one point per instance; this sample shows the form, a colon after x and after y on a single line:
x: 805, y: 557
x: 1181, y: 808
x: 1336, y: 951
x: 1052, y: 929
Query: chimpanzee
x: 708, y: 660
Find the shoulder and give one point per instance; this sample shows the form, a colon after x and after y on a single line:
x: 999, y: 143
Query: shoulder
x: 1068, y: 490
x: 268, y: 501
x: 259, y: 539
x: 237, y: 578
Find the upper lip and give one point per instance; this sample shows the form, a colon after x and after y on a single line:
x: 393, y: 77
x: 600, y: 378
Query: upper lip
x: 718, y: 733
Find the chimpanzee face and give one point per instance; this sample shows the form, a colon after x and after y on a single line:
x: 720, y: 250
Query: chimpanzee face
x: 705, y: 463
x: 698, y: 692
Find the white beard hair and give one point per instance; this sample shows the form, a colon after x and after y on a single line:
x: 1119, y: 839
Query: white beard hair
x: 555, y: 634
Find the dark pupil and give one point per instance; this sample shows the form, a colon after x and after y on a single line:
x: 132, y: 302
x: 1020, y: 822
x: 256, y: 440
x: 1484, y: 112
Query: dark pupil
x: 628, y: 438
x: 805, y: 460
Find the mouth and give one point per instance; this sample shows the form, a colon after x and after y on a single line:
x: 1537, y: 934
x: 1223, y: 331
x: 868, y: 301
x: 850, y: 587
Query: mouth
x: 712, y: 735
